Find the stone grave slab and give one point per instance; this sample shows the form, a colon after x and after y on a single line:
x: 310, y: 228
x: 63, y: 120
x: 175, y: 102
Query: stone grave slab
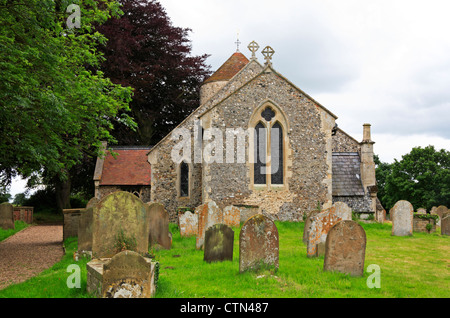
x: 7, y: 216
x: 208, y: 214
x: 159, y: 226
x: 402, y: 218
x: 219, y: 241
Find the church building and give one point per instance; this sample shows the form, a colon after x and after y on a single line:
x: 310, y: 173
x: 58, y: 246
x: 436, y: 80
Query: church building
x: 256, y: 139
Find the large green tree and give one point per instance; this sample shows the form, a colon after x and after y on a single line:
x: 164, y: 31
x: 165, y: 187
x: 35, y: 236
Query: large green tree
x: 54, y: 109
x: 422, y: 177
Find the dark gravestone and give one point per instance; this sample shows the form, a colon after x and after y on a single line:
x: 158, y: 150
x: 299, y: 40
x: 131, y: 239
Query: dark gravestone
x: 219, y: 240
x: 345, y: 248
x: 258, y: 244
x: 6, y: 216
x: 445, y: 224
x: 159, y: 226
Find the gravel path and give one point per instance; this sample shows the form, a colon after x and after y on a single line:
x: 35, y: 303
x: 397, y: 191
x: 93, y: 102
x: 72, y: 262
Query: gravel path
x: 29, y: 252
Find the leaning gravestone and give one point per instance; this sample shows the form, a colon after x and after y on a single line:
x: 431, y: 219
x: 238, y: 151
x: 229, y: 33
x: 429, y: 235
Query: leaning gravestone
x: 307, y: 227
x: 343, y: 210
x: 119, y: 219
x: 6, y: 216
x: 320, y: 225
x: 127, y: 275
x: 159, y: 226
x: 93, y: 201
x: 208, y: 214
x: 258, y: 244
x: 219, y: 240
x: 445, y: 224
x: 232, y: 216
x: 402, y: 218
x: 345, y: 248
x: 188, y: 223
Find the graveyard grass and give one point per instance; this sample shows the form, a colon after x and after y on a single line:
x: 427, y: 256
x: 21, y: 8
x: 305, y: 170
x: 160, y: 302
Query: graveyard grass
x: 416, y: 266
x: 18, y: 226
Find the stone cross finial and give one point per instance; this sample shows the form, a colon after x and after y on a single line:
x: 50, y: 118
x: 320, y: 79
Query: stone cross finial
x: 253, y: 47
x: 268, y: 53
x: 237, y: 42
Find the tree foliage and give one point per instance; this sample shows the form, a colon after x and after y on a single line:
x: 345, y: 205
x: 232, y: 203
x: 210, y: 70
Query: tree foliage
x: 145, y: 51
x: 422, y: 177
x: 53, y: 107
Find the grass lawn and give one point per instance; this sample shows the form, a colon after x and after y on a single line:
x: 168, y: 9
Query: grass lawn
x: 18, y: 226
x: 417, y: 266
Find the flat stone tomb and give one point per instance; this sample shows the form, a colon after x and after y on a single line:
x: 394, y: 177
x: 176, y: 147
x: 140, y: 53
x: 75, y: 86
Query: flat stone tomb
x: 159, y: 226
x: 258, y: 244
x: 219, y: 241
x: 402, y: 218
x: 345, y: 248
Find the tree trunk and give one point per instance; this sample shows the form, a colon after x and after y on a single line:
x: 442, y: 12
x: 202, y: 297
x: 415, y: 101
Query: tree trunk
x: 63, y: 194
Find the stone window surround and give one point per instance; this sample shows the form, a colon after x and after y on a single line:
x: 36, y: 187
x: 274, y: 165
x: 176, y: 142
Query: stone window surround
x: 255, y: 118
x: 178, y: 182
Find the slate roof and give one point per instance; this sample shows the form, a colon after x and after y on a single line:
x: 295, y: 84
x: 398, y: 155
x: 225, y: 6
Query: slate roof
x: 130, y: 167
x: 347, y: 174
x: 231, y: 67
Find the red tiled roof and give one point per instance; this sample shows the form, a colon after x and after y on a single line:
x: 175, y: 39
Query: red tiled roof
x: 130, y: 167
x: 230, y: 68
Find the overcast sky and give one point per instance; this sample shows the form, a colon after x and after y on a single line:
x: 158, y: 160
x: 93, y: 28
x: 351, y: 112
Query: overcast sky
x: 386, y: 63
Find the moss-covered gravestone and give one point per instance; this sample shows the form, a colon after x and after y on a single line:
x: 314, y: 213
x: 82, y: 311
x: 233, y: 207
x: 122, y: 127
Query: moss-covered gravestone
x: 6, y: 216
x: 219, y: 240
x: 119, y: 221
x: 85, y: 230
x: 258, y: 244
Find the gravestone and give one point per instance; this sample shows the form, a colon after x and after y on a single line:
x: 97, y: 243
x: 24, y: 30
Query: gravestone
x: 402, y: 218
x: 345, y: 248
x: 159, y: 226
x: 120, y: 218
x: 232, y: 216
x: 188, y: 223
x: 127, y: 275
x: 219, y: 240
x: 343, y: 210
x: 258, y: 244
x: 6, y: 216
x: 93, y: 201
x: 208, y: 214
x: 307, y: 227
x: 85, y: 230
x: 440, y: 211
x: 445, y: 224
x: 320, y: 225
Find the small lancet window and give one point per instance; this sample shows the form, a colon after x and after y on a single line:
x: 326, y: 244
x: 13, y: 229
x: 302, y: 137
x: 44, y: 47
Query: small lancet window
x: 184, y: 179
x: 276, y: 153
x: 260, y: 150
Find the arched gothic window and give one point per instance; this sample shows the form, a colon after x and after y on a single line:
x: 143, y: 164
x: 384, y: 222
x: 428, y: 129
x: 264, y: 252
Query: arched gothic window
x: 269, y: 142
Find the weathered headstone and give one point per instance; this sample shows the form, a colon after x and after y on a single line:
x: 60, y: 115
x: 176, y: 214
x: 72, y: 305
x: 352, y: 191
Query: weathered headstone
x: 219, y: 240
x: 85, y: 230
x: 258, y: 244
x: 188, y: 223
x: 159, y: 226
x: 421, y: 211
x: 119, y: 221
x: 402, y: 218
x: 6, y: 216
x: 307, y: 227
x: 320, y: 225
x: 440, y: 211
x: 93, y: 201
x: 127, y: 275
x: 445, y: 224
x: 343, y: 210
x: 232, y: 216
x: 345, y: 248
x: 208, y: 214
